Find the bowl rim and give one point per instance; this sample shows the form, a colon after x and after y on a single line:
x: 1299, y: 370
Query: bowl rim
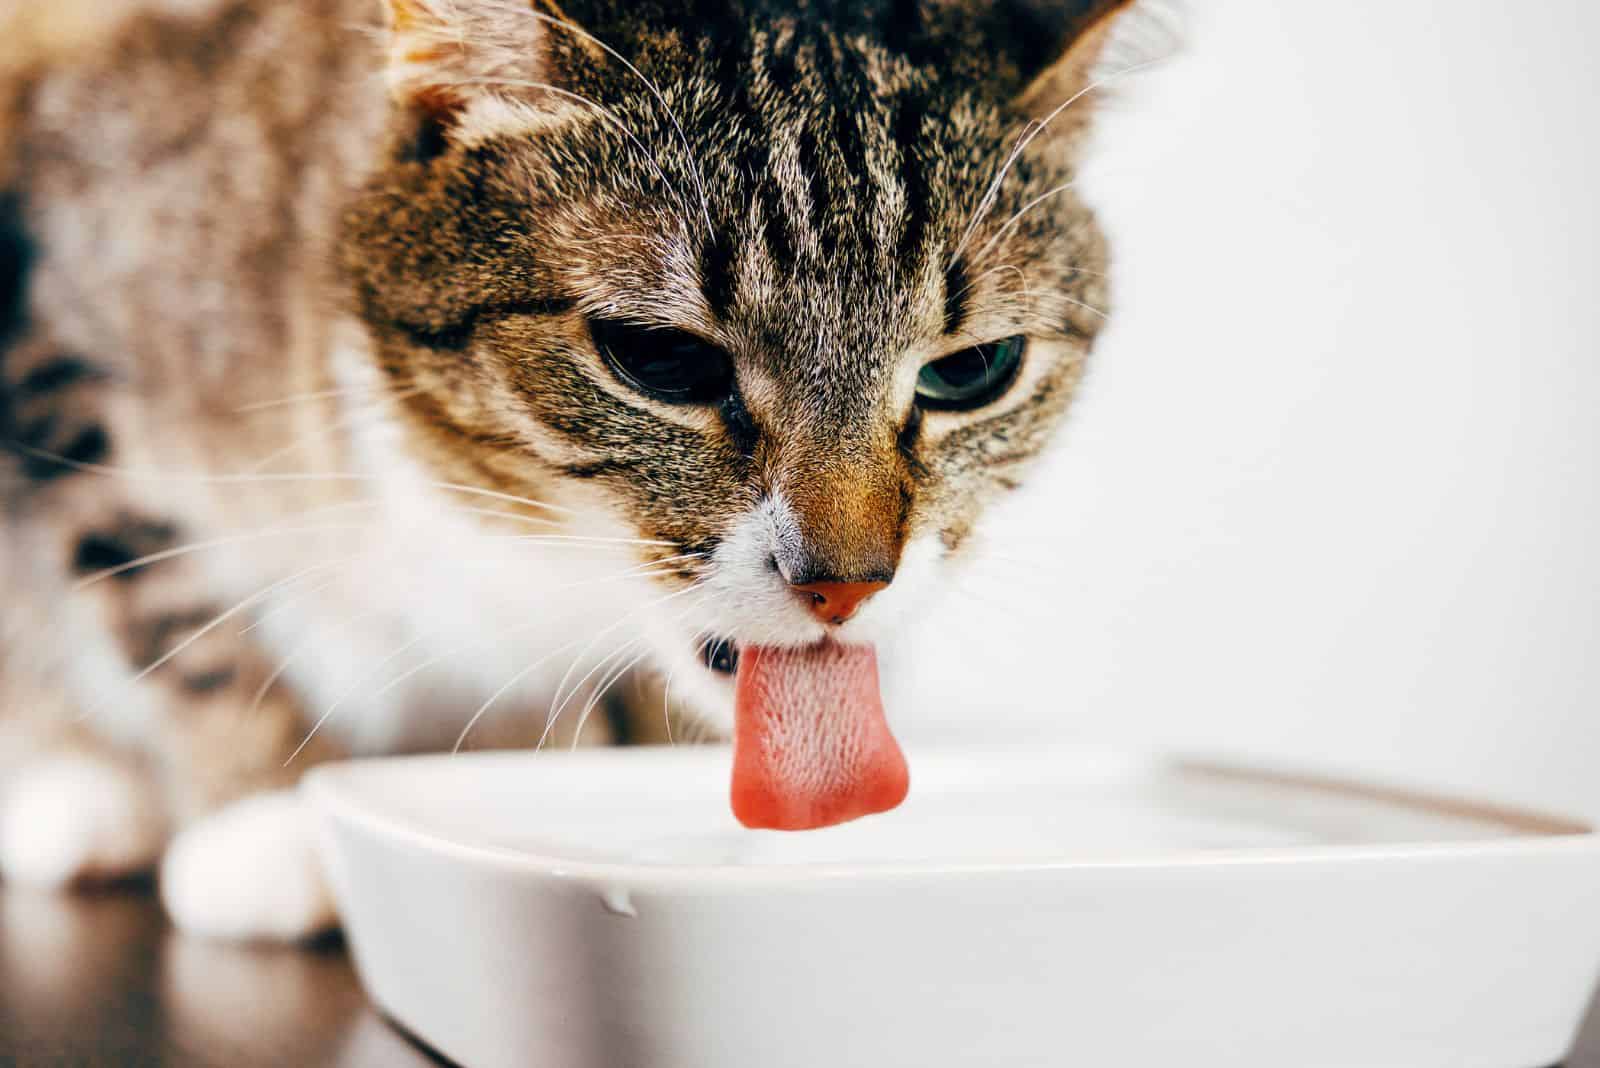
x: 1529, y: 833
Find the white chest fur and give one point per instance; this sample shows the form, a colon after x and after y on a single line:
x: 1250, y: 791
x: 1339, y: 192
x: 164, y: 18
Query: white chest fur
x: 429, y: 615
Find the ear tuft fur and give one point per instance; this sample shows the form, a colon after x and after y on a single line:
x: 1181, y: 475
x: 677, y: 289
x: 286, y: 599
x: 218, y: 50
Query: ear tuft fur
x: 1096, y: 42
x: 445, y: 53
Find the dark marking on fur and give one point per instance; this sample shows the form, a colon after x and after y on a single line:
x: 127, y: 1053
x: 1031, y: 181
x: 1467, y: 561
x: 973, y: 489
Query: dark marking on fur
x: 902, y: 525
x: 89, y: 445
x: 914, y: 176
x: 616, y: 712
x: 456, y: 336
x: 742, y: 429
x: 718, y: 277
x: 596, y: 469
x: 819, y: 205
x: 957, y: 288
x: 148, y: 640
x: 775, y: 226
x: 40, y: 463
x: 952, y: 537
x: 428, y: 140
x: 907, y: 441
x: 57, y: 374
x: 781, y: 68
x: 16, y: 260
x: 118, y: 546
x: 209, y: 680
x: 36, y: 435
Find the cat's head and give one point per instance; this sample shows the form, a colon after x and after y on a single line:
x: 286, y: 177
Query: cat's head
x: 791, y: 290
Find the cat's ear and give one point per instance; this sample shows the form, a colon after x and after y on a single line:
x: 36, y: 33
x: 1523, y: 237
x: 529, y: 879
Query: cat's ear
x: 1060, y: 48
x: 444, y: 54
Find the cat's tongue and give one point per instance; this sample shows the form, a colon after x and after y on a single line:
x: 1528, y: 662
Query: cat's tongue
x: 811, y: 747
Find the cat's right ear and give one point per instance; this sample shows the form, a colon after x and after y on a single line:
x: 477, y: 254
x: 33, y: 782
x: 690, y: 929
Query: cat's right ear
x: 1059, y: 49
x: 445, y: 55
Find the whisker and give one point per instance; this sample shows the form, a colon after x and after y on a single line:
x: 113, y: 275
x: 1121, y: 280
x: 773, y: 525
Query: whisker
x: 496, y: 513
x: 600, y: 692
x: 301, y: 398
x: 264, y: 592
x: 201, y: 546
x: 349, y: 418
x: 610, y: 680
x: 1011, y: 222
x: 556, y: 703
x: 1029, y: 132
x: 483, y: 709
x: 694, y: 168
x: 266, y: 687
x: 201, y: 478
x: 300, y: 595
x: 583, y: 539
x: 643, y: 571
x: 666, y: 691
x: 604, y: 112
x: 1101, y: 312
x: 555, y: 715
x: 973, y: 284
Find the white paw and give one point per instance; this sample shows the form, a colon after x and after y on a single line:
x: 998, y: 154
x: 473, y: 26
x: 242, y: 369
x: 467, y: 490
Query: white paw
x: 77, y: 817
x: 249, y: 872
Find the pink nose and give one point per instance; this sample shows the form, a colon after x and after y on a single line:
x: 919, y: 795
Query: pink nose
x: 835, y: 602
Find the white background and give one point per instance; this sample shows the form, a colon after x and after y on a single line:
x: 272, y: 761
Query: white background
x: 1332, y: 493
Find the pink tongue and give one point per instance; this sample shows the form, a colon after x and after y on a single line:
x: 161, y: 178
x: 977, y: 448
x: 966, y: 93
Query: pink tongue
x: 811, y: 747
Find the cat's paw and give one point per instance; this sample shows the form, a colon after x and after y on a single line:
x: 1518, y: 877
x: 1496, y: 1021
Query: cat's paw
x: 76, y: 817
x: 249, y: 872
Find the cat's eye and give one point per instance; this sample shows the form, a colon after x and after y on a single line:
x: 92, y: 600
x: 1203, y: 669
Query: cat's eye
x: 972, y: 377
x: 670, y: 365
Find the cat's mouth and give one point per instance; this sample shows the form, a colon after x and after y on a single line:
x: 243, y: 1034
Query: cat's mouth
x: 721, y: 655
x: 811, y: 743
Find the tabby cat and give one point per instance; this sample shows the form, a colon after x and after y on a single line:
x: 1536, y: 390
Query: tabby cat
x: 378, y: 375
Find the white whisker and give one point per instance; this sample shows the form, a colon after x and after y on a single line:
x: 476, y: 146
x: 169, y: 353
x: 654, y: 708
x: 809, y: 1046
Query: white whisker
x: 1029, y: 132
x: 640, y: 571
x: 705, y: 204
x: 201, y: 546
x: 301, y: 398
x: 556, y: 703
x: 1011, y: 222
x: 350, y: 417
x: 666, y: 691
x: 610, y: 680
x: 584, y: 539
x: 294, y: 599
x: 604, y: 112
x: 201, y: 478
x: 264, y: 592
x: 483, y: 709
x: 600, y: 692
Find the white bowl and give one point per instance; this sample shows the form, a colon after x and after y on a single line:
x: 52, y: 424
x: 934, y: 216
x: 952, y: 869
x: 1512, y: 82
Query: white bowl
x: 1042, y: 907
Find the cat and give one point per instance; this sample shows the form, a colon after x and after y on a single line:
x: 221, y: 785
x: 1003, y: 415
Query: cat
x: 384, y: 375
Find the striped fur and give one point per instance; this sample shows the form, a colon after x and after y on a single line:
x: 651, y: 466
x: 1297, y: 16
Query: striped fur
x: 365, y: 240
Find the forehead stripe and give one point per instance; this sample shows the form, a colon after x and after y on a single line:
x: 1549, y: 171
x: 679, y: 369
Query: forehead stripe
x: 957, y: 294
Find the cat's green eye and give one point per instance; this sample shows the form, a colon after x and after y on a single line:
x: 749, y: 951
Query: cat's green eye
x: 670, y: 365
x: 972, y: 377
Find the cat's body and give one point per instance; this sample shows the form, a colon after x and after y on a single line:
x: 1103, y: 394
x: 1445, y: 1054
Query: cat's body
x: 297, y: 298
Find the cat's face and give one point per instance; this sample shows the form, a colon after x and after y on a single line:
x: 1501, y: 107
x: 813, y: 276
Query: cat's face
x: 787, y: 302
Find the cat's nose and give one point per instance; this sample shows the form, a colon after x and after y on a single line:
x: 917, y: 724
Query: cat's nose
x: 836, y: 602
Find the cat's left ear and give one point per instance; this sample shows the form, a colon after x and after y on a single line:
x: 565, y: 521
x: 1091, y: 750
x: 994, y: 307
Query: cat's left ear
x: 1060, y: 47
x: 445, y: 54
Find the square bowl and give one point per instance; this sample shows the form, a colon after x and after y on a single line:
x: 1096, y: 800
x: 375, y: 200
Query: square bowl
x: 1030, y: 906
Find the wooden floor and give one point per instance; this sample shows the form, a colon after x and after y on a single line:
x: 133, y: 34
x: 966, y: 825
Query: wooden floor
x: 101, y: 980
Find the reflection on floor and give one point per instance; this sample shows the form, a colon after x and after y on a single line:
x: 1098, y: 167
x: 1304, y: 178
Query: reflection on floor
x: 99, y: 978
